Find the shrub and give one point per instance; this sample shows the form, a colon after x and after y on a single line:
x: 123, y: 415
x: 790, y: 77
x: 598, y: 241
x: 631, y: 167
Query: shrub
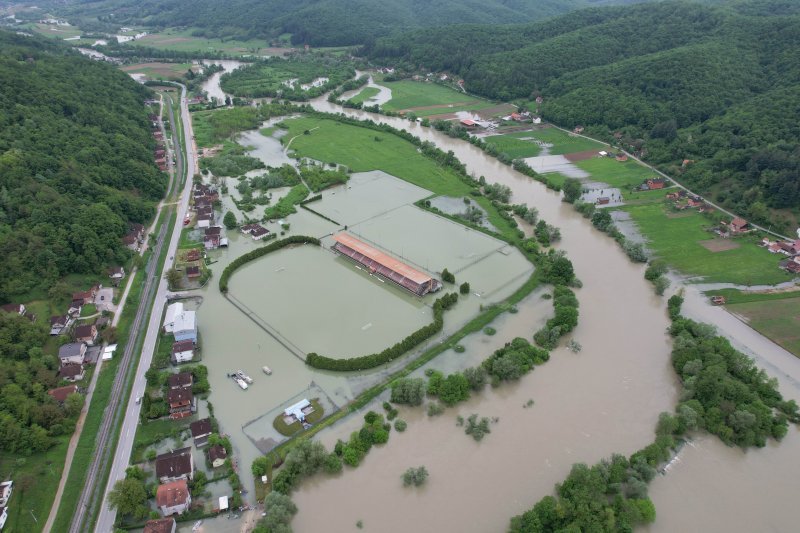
x: 415, y: 476
x: 458, y: 348
x: 464, y: 288
x: 489, y: 330
x: 409, y: 391
x: 435, y: 409
x: 448, y: 276
x: 400, y: 425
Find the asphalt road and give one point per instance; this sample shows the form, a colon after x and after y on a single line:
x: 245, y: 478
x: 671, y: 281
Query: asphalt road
x: 106, y: 517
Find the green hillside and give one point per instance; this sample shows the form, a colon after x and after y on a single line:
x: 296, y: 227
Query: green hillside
x: 76, y: 164
x: 718, y: 85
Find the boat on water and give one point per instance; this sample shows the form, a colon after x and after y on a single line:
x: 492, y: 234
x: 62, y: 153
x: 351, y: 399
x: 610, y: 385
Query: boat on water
x: 239, y: 381
x: 244, y: 377
x: 267, y: 370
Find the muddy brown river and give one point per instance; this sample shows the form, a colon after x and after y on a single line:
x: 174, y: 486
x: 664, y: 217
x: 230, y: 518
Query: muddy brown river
x: 603, y: 400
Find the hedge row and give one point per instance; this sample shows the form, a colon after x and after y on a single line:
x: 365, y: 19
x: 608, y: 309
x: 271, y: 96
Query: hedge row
x: 393, y: 352
x: 255, y: 254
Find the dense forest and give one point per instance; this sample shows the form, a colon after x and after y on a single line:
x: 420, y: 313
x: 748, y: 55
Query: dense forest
x: 315, y: 22
x: 718, y: 86
x: 76, y: 163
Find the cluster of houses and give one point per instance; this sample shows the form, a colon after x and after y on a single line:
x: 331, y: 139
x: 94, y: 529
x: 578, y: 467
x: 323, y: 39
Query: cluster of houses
x: 256, y: 231
x: 683, y: 200
x: 789, y: 248
x: 175, y: 469
x: 204, y: 197
x: 524, y: 116
x: 6, y: 488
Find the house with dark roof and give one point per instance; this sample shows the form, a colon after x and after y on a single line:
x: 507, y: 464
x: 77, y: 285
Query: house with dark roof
x: 217, y: 455
x: 74, y: 308
x: 173, y: 498
x: 116, y: 274
x: 14, y: 309
x: 201, y: 429
x: 180, y: 380
x: 193, y: 272
x: 60, y: 394
x: 162, y: 525
x: 175, y: 465
x: 71, y: 372
x: 259, y: 232
x: 60, y: 324
x: 182, y: 351
x: 739, y: 225
x: 86, y: 334
x: 181, y: 402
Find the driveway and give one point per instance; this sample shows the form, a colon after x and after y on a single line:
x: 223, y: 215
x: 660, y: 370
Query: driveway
x: 104, y: 301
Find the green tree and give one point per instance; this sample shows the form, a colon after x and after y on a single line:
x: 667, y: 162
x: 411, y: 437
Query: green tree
x: 464, y: 288
x: 415, y: 476
x: 229, y: 220
x: 572, y: 189
x: 174, y: 278
x: 129, y: 498
x: 280, y: 509
x: 409, y: 391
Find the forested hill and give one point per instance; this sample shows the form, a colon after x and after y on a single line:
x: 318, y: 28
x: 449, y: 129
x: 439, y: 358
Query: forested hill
x: 322, y: 22
x: 715, y: 84
x: 76, y: 163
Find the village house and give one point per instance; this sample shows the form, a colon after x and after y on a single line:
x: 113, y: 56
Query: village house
x: 677, y: 195
x: 193, y: 255
x: 259, y: 232
x: 792, y: 267
x: 248, y: 228
x: 653, y: 184
x: 578, y: 129
x: 179, y: 380
x: 86, y: 297
x: 173, y: 498
x: 86, y: 334
x: 60, y: 394
x: 3, y: 511
x: 162, y: 525
x: 175, y: 465
x: 204, y: 220
x: 621, y: 156
x: 181, y: 323
x: 135, y: 237
x: 14, y: 309
x: 469, y: 124
x: 738, y: 225
x: 75, y: 307
x: 297, y: 412
x: 193, y: 272
x: 60, y: 324
x: 201, y: 429
x: 182, y: 352
x: 116, y: 274
x: 217, y: 455
x: 72, y: 352
x: 211, y: 239
x: 789, y: 248
x: 71, y: 372
x: 181, y: 402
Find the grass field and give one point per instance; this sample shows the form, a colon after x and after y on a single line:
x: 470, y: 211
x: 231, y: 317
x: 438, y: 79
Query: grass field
x: 514, y: 147
x: 676, y: 240
x: 776, y: 316
x: 413, y: 94
x: 365, y: 94
x: 563, y: 142
x: 56, y: 32
x: 362, y: 149
x: 734, y: 296
x: 184, y: 41
x: 475, y: 105
x: 156, y: 70
x: 608, y: 170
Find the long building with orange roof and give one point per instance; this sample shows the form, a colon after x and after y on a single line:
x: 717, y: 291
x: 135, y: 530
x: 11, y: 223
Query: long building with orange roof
x: 385, y: 266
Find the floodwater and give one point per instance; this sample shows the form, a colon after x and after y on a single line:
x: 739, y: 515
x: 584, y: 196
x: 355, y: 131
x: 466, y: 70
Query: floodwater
x: 603, y: 400
x: 381, y: 98
x: 211, y: 85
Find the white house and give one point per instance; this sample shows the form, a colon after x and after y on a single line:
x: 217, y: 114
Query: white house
x: 298, y: 411
x: 182, y: 351
x: 3, y: 517
x: 72, y: 352
x: 181, y: 323
x: 6, y: 488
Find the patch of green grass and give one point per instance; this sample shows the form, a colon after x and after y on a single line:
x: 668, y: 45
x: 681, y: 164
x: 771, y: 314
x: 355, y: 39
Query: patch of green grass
x: 362, y: 149
x: 733, y: 296
x: 608, y: 170
x: 35, y: 480
x: 182, y: 40
x: 365, y: 94
x: 159, y: 71
x: 88, y: 310
x: 454, y: 108
x: 776, y: 318
x: 514, y: 147
x: 408, y: 94
x: 152, y: 432
x: 563, y: 142
x: 676, y: 240
x: 287, y: 430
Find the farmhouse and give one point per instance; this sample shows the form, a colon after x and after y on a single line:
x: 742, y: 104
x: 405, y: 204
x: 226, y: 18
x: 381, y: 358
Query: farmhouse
x: 739, y: 225
x: 469, y: 124
x: 175, y: 465
x: 182, y: 351
x: 653, y: 184
x: 201, y: 429
x: 217, y: 455
x: 162, y: 525
x: 386, y: 267
x: 173, y: 498
x: 621, y: 156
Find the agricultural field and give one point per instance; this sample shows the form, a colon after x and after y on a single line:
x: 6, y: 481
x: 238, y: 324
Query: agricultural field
x: 561, y: 141
x: 56, y: 32
x: 450, y: 109
x: 362, y: 149
x: 183, y: 41
x: 156, y: 70
x: 774, y: 315
x: 623, y: 175
x: 295, y: 79
x: 413, y: 94
x: 514, y: 147
x: 682, y: 241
